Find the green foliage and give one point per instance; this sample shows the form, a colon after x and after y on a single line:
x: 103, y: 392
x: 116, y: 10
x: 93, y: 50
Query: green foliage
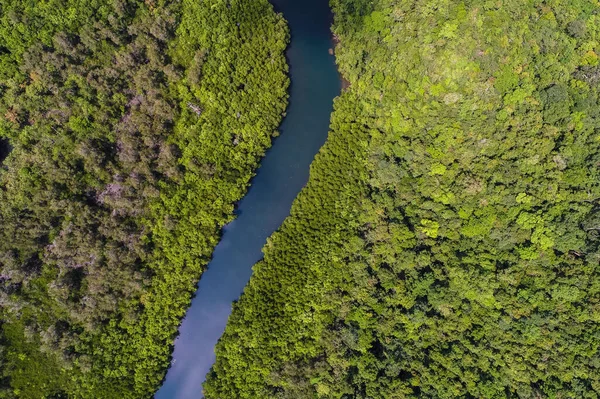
x: 447, y: 243
x: 135, y: 127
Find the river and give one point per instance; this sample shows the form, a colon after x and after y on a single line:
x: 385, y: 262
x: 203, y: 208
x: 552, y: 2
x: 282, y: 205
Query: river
x: 282, y: 174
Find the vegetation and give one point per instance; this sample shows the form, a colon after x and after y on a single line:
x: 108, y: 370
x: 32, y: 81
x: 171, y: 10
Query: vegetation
x: 447, y: 243
x: 135, y: 126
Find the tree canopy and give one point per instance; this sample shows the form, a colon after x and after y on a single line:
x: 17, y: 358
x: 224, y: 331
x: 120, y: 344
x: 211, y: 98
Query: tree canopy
x: 134, y: 127
x: 447, y: 243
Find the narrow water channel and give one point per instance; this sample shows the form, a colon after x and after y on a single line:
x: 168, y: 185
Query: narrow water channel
x: 283, y: 172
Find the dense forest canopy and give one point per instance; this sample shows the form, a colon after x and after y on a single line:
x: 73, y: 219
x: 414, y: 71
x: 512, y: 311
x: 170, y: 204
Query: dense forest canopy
x: 134, y: 126
x: 447, y: 243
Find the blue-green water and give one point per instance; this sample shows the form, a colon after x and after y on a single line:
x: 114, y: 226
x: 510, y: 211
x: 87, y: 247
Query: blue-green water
x: 283, y: 173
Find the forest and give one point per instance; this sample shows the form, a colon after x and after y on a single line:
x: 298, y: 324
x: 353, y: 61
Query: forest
x: 128, y: 131
x: 447, y: 242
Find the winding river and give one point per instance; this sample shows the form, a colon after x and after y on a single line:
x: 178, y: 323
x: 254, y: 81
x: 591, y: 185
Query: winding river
x: 282, y: 174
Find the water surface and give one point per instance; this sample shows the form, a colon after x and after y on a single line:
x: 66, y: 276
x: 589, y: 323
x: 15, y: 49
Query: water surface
x: 283, y: 172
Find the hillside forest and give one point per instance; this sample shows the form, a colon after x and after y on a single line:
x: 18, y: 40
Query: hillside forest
x: 132, y: 128
x: 447, y: 244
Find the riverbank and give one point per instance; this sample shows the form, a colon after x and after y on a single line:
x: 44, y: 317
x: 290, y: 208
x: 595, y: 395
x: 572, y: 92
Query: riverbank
x: 283, y: 172
x: 336, y: 46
